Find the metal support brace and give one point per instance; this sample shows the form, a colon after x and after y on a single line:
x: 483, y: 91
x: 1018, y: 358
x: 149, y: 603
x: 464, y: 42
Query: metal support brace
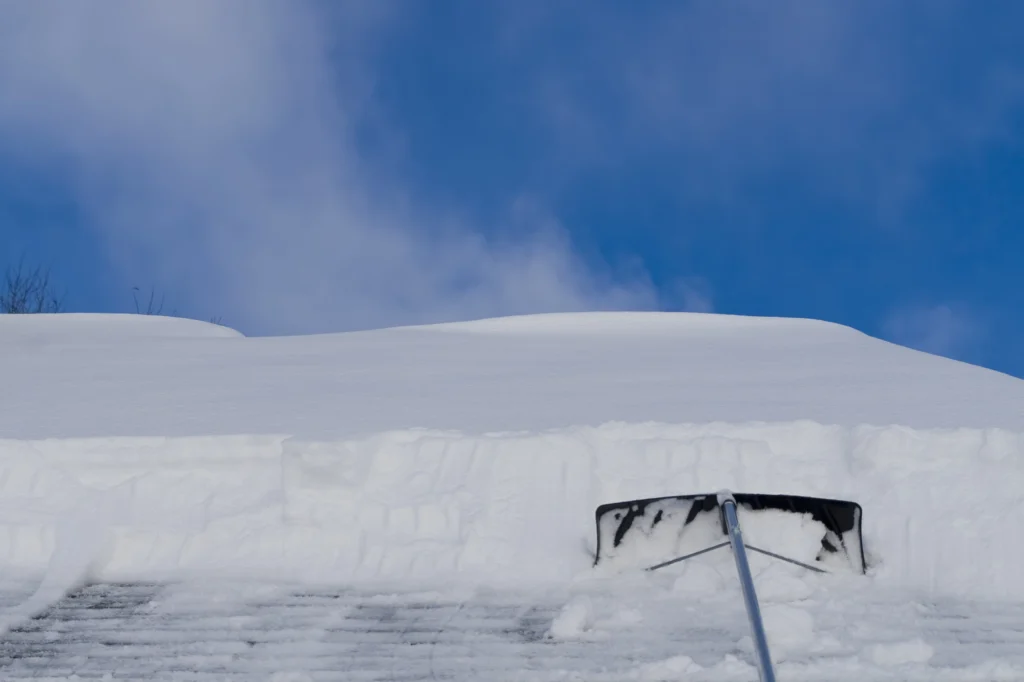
x: 731, y: 521
x: 663, y: 564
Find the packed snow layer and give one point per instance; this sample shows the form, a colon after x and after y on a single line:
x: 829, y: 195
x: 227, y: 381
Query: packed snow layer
x: 942, y: 508
x: 99, y: 376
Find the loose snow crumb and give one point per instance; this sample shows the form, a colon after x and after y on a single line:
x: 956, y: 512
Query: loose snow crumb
x: 576, y: 618
x: 669, y: 669
x: 730, y: 666
x: 900, y: 653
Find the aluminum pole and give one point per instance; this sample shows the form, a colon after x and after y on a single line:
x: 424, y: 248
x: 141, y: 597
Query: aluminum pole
x: 731, y: 522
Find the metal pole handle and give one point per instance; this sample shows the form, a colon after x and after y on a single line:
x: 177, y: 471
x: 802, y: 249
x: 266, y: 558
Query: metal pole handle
x: 731, y: 521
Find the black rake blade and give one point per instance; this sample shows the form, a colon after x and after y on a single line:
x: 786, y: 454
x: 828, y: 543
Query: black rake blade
x: 668, y: 519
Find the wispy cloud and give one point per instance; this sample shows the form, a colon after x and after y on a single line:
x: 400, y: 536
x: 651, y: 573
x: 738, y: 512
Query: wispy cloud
x: 944, y: 329
x: 216, y: 148
x: 691, y: 294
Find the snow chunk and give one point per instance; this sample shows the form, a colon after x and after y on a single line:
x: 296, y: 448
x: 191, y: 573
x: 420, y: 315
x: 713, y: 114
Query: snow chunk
x: 575, y: 619
x: 669, y: 669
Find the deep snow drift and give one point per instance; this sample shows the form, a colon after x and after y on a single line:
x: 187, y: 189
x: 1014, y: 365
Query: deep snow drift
x: 88, y: 376
x: 476, y: 453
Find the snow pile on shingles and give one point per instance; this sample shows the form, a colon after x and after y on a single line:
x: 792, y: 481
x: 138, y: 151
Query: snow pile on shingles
x: 941, y: 508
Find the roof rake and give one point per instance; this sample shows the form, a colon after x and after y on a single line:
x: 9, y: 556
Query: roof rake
x: 661, y: 531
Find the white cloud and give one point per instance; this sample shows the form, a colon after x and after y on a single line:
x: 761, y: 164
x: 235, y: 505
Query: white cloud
x: 944, y: 329
x: 214, y: 146
x: 692, y: 294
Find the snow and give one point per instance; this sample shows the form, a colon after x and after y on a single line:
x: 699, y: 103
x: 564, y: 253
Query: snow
x: 901, y: 653
x: 138, y: 376
x: 34, y: 332
x: 473, y: 455
x: 575, y: 619
x: 443, y: 506
x: 214, y: 631
x: 791, y: 629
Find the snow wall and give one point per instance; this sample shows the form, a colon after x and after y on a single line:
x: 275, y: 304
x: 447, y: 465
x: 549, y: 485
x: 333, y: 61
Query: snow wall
x: 943, y: 509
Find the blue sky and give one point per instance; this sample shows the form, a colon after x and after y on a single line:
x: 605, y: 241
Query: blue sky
x: 292, y: 167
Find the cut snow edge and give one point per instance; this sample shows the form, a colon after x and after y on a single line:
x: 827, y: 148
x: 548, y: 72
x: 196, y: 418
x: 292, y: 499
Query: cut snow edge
x: 416, y: 506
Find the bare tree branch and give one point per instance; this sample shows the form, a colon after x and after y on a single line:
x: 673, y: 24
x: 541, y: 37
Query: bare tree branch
x: 27, y: 291
x: 152, y: 308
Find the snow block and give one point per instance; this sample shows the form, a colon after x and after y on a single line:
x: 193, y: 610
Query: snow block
x: 446, y: 506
